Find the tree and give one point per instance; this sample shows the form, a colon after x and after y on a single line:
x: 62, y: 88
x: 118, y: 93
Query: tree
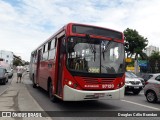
x: 26, y: 63
x: 154, y: 62
x: 154, y: 56
x: 17, y: 62
x: 134, y: 43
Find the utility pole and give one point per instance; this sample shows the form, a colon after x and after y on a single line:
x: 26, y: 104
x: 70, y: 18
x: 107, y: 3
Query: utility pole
x: 136, y: 65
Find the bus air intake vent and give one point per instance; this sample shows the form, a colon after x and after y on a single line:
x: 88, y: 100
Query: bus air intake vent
x: 98, y: 80
x: 135, y: 82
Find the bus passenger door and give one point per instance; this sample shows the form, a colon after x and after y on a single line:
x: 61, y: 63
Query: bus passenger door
x: 38, y: 66
x: 60, y: 65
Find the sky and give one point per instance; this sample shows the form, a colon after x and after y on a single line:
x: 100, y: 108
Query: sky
x: 25, y: 24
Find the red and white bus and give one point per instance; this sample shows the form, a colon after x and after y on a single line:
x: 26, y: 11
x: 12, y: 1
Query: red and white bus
x: 80, y: 62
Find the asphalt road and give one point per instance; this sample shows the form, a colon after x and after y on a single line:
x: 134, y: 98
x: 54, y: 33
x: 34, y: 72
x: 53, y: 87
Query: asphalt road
x: 129, y: 103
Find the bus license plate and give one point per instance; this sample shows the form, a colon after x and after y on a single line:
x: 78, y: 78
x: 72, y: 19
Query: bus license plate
x: 99, y: 95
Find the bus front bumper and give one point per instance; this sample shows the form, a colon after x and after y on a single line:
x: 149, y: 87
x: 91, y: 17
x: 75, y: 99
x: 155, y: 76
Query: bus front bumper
x: 70, y: 94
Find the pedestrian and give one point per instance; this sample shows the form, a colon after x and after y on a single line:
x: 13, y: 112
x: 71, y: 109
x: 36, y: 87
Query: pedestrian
x: 19, y: 73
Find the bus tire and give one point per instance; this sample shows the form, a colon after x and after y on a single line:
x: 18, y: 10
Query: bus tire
x: 34, y: 85
x: 51, y: 96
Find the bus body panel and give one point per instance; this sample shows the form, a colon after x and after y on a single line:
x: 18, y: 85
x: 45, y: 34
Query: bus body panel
x: 71, y: 94
x: 48, y: 70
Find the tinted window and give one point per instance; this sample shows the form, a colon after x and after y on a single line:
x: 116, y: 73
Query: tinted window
x: 158, y: 78
x: 96, y: 31
x: 49, y: 45
x: 43, y: 48
x: 147, y: 77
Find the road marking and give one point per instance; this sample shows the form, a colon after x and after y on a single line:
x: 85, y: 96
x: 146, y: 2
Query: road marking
x: 141, y: 105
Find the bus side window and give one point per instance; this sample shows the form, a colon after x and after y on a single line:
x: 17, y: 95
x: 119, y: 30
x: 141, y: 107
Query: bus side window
x: 45, y: 52
x: 46, y: 47
x: 35, y: 57
x: 49, y: 45
x: 53, y: 44
x: 51, y: 54
x: 43, y: 48
x: 32, y: 58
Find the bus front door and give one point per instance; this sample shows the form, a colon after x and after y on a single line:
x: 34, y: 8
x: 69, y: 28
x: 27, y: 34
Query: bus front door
x: 38, y: 67
x: 60, y: 66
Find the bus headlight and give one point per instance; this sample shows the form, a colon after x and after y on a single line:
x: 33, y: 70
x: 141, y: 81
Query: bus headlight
x: 70, y: 83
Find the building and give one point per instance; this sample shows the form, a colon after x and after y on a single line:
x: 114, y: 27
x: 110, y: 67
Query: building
x: 6, y: 56
x: 149, y: 50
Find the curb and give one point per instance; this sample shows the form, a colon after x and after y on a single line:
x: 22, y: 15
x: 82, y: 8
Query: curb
x: 17, y: 98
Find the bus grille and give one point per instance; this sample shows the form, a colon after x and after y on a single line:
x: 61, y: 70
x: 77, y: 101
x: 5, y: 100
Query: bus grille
x: 98, y: 80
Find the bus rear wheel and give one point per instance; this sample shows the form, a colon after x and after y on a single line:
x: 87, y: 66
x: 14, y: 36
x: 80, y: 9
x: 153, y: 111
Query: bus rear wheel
x: 34, y: 84
x: 51, y: 96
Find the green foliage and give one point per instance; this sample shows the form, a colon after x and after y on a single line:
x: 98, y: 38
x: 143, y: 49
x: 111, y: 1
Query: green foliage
x: 134, y: 43
x: 17, y: 62
x: 155, y: 56
x: 154, y: 61
x: 26, y: 63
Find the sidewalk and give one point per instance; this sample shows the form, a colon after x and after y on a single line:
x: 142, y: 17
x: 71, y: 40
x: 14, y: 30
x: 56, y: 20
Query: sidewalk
x: 17, y: 98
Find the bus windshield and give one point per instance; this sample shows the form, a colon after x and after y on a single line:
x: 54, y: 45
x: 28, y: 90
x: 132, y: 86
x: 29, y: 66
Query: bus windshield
x: 95, y: 55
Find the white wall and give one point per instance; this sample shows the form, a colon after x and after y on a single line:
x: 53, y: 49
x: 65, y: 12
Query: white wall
x: 7, y: 56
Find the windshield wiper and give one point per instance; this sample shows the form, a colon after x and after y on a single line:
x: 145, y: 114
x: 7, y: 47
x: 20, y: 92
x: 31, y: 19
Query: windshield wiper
x: 91, y: 47
x: 105, y: 49
x: 93, y: 50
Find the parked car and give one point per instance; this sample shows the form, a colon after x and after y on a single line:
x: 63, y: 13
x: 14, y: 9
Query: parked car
x: 3, y: 76
x: 132, y: 84
x: 147, y: 76
x: 10, y: 72
x: 152, y: 88
x: 135, y: 76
